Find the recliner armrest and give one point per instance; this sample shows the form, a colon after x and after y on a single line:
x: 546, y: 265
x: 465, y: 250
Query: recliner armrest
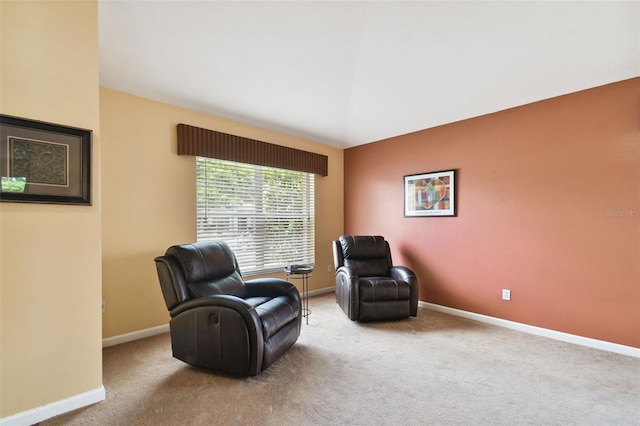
x: 348, y: 276
x: 224, y: 300
x: 402, y: 273
x: 347, y: 291
x: 268, y: 287
x: 203, y: 330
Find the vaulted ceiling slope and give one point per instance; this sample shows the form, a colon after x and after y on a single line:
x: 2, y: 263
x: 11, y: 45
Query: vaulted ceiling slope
x: 349, y: 73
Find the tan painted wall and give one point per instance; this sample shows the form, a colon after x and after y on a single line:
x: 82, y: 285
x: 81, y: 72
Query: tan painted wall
x: 548, y: 206
x: 50, y: 255
x: 149, y: 202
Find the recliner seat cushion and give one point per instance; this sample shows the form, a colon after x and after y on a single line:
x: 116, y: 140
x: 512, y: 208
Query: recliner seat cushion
x: 257, y: 301
x: 375, y: 289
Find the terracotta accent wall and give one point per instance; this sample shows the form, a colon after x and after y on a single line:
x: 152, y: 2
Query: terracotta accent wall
x: 548, y: 207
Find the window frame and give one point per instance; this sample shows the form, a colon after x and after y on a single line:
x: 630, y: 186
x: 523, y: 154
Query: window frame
x: 264, y: 240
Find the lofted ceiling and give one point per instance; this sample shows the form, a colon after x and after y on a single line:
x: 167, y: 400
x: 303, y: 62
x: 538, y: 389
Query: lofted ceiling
x: 348, y: 73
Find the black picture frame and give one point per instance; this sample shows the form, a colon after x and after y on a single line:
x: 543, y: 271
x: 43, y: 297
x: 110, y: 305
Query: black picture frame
x: 431, y: 194
x: 43, y: 162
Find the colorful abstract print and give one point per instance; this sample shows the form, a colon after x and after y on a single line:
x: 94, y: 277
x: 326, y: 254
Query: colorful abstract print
x: 432, y: 193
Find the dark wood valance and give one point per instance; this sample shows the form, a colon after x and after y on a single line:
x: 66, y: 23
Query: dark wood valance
x: 209, y: 143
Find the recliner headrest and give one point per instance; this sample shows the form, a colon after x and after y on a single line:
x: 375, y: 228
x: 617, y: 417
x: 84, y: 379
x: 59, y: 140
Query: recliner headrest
x: 204, y: 261
x: 363, y: 247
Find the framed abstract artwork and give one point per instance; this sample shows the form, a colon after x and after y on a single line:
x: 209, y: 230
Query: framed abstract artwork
x: 430, y: 194
x: 44, y: 162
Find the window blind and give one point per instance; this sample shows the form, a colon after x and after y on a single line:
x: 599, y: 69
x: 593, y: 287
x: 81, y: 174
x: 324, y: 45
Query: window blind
x: 265, y: 214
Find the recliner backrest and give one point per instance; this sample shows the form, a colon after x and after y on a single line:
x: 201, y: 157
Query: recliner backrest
x: 367, y: 256
x: 209, y: 268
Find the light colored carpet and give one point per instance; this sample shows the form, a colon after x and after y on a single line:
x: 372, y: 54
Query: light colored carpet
x: 435, y: 369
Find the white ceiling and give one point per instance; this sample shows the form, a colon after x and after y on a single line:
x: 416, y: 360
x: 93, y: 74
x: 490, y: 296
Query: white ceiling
x: 349, y: 73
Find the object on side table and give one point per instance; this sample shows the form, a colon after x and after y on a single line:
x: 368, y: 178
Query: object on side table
x: 368, y: 286
x: 299, y: 268
x: 219, y: 321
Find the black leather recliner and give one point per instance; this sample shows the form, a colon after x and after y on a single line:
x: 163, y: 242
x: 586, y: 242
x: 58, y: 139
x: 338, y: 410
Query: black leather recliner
x: 220, y: 322
x: 368, y: 286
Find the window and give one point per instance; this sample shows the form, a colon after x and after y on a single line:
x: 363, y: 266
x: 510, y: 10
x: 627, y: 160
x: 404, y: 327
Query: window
x: 266, y: 215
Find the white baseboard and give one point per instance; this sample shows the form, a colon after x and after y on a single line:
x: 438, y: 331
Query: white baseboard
x: 48, y: 411
x: 322, y: 291
x: 135, y: 335
x: 538, y: 331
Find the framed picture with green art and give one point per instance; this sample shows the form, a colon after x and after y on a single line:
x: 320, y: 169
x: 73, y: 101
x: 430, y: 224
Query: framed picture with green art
x: 430, y: 194
x: 44, y: 162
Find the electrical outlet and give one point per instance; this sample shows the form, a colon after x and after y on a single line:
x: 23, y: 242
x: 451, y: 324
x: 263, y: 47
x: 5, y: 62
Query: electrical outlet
x: 104, y: 306
x: 506, y: 294
x: 329, y: 268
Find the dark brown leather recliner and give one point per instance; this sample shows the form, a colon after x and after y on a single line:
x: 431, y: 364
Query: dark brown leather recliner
x: 219, y: 321
x: 368, y: 286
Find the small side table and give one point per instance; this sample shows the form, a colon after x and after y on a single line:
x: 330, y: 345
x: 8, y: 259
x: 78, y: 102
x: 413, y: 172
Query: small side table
x: 301, y: 273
